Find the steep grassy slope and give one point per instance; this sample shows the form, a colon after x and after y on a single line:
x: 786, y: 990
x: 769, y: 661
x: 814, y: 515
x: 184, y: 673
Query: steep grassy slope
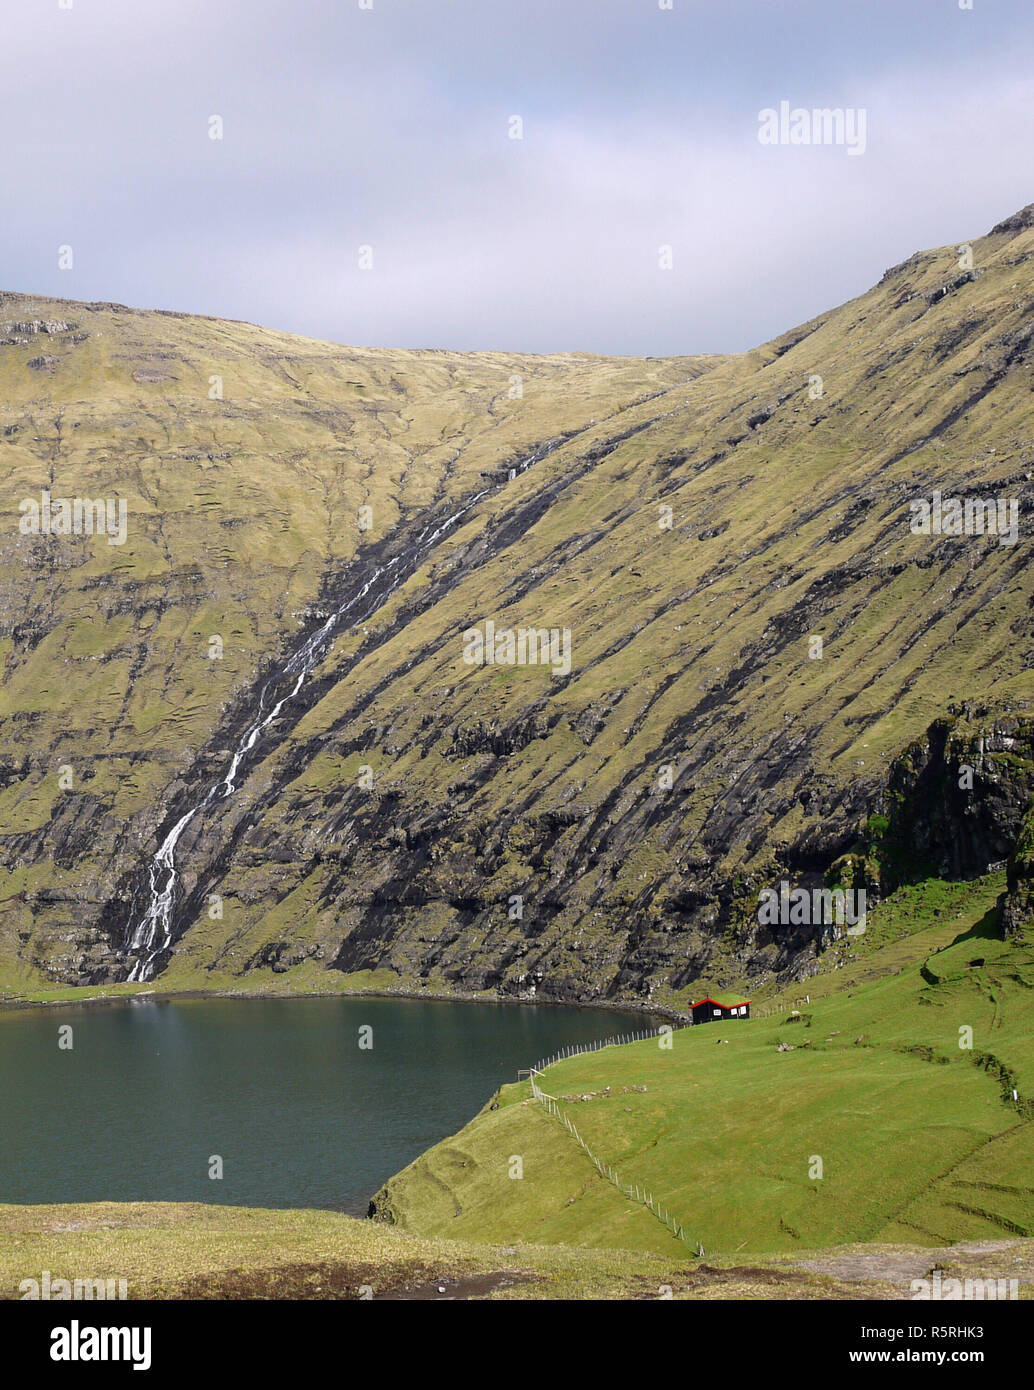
x: 857, y: 1115
x: 691, y: 650
x: 242, y: 510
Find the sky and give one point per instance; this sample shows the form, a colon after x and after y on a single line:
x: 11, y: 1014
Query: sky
x: 367, y: 187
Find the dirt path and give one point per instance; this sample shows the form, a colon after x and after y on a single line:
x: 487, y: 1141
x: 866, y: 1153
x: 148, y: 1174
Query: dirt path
x: 989, y: 1258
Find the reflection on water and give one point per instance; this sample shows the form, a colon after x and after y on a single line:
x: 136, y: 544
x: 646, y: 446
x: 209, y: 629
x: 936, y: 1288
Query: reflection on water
x: 279, y: 1089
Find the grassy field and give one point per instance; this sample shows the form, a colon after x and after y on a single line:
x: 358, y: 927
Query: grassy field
x: 171, y: 1251
x: 882, y: 1110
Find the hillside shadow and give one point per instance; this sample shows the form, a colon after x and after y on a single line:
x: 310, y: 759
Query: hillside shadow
x: 988, y: 928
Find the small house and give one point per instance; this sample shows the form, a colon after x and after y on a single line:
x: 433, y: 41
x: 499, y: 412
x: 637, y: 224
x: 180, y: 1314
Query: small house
x: 711, y: 1011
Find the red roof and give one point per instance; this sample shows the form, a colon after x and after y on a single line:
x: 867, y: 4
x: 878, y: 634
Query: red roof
x: 719, y: 1005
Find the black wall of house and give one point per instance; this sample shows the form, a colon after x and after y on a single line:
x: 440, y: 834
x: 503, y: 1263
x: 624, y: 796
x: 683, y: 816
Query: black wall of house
x: 704, y: 1013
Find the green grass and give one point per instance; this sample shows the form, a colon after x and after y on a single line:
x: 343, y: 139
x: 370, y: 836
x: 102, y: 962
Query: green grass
x: 919, y: 1140
x: 185, y: 1250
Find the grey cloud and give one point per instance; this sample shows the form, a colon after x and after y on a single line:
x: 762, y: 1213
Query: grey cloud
x: 389, y: 127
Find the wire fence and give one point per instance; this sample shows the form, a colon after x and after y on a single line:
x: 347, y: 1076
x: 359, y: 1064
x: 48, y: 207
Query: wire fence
x: 634, y: 1191
x: 767, y: 1010
x: 576, y: 1049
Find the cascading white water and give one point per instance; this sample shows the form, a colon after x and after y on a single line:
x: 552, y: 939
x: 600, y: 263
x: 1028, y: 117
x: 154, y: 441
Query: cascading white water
x: 153, y: 932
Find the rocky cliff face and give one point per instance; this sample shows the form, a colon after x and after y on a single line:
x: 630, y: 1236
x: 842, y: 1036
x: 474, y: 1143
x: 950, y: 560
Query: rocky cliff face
x: 1016, y: 907
x: 755, y: 631
x: 956, y: 799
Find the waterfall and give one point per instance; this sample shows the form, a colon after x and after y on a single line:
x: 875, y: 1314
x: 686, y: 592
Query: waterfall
x: 152, y: 933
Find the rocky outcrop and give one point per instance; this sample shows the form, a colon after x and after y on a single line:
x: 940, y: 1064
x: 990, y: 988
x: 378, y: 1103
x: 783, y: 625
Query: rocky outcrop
x: 1017, y: 904
x: 1019, y: 222
x: 955, y: 800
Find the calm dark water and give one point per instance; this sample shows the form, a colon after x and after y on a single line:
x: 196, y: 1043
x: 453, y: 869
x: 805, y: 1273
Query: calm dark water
x: 280, y: 1089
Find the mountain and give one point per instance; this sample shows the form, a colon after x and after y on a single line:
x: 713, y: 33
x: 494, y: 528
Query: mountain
x: 284, y: 697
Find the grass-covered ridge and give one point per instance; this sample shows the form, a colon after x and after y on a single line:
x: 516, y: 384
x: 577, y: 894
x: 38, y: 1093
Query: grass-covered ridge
x: 848, y: 1113
x: 696, y: 751
x: 243, y: 501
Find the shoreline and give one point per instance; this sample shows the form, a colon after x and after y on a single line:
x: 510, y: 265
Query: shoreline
x: 165, y: 996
